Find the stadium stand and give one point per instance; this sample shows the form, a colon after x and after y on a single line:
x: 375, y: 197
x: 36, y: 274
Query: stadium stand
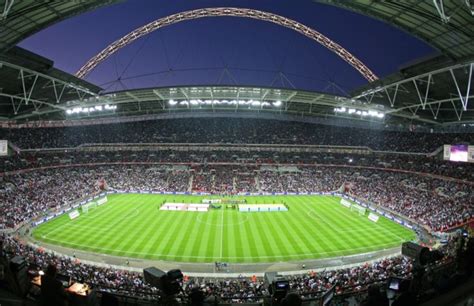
x: 415, y: 163
x: 394, y: 164
x: 435, y: 202
x: 233, y: 130
x: 435, y: 193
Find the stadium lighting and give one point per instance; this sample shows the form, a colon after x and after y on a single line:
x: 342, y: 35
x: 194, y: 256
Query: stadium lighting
x: 249, y: 103
x: 90, y: 109
x: 359, y: 112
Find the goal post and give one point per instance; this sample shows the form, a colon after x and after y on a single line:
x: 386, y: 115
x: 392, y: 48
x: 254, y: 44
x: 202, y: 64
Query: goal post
x: 86, y: 207
x: 354, y: 207
x: 359, y: 209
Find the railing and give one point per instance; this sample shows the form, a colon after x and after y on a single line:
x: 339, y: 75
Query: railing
x: 118, y: 147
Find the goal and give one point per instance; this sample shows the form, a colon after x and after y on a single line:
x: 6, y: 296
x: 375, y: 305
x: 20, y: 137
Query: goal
x: 88, y: 206
x: 359, y: 209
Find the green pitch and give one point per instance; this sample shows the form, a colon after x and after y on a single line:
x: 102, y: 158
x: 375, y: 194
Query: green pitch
x: 132, y: 225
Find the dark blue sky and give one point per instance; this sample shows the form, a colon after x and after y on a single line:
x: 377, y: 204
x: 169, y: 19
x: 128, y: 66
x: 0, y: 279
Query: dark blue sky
x: 253, y: 51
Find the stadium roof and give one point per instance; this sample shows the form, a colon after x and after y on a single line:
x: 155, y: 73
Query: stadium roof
x: 447, y: 25
x: 31, y: 86
x: 20, y: 19
x: 235, y: 99
x: 436, y: 91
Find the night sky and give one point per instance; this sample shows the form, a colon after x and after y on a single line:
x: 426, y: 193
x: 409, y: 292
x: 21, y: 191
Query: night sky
x: 254, y: 52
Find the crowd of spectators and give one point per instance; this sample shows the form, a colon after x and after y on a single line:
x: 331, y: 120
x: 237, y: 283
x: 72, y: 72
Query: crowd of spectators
x: 105, y: 278
x: 436, y: 202
x: 415, y: 163
x: 26, y: 195
x: 432, y: 201
x: 242, y: 289
x: 229, y: 130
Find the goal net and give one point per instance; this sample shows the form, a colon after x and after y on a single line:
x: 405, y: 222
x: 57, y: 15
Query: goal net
x: 88, y: 206
x: 359, y: 209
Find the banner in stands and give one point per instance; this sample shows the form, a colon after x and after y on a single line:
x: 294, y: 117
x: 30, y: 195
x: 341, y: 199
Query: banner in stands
x: 470, y: 154
x: 3, y: 147
x: 373, y: 209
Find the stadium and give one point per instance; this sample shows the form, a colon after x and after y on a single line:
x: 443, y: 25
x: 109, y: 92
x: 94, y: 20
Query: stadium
x: 194, y: 154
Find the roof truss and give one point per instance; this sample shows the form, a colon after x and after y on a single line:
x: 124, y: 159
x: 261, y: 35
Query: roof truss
x: 446, y: 90
x: 45, y: 93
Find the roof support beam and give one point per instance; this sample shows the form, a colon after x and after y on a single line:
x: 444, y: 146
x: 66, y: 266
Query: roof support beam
x: 464, y: 99
x: 425, y: 99
x: 439, y: 5
x: 6, y: 9
x: 31, y: 82
x: 128, y: 93
x: 162, y: 99
x: 393, y: 98
x: 27, y: 92
x: 420, y: 91
x: 15, y: 98
x: 405, y: 81
x: 59, y: 95
x: 470, y: 6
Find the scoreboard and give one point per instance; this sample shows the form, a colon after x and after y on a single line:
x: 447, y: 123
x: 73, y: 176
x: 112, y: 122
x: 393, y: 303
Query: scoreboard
x: 459, y: 153
x: 3, y: 147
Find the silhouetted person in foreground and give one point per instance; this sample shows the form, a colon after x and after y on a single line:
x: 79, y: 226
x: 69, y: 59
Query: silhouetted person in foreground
x: 292, y: 299
x: 197, y: 297
x: 52, y: 290
x: 375, y: 297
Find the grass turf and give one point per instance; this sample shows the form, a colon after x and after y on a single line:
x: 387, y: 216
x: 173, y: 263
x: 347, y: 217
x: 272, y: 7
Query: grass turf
x: 314, y: 227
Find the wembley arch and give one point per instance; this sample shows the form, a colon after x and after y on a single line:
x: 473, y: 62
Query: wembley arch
x: 227, y: 12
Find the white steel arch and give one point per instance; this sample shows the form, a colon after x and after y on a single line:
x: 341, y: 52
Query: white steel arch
x: 229, y: 12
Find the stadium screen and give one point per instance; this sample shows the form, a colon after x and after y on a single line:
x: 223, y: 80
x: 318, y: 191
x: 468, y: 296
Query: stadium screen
x: 3, y: 147
x: 459, y: 153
